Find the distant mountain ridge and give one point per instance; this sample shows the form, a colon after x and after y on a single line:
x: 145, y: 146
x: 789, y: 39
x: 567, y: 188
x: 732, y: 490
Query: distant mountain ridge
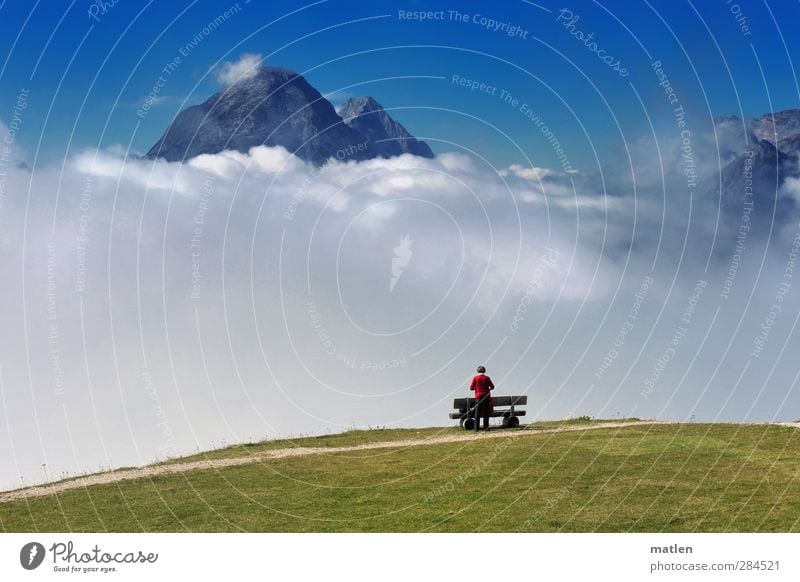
x: 769, y: 152
x: 278, y: 107
x: 773, y: 127
x: 388, y: 136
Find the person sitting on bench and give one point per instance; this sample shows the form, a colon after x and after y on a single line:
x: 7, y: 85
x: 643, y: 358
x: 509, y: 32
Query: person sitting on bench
x: 482, y: 386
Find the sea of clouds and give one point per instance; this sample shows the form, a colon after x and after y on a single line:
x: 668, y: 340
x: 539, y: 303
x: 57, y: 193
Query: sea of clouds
x: 151, y: 309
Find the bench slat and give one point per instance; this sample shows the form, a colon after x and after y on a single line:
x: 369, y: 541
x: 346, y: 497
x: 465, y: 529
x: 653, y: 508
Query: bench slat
x: 495, y: 414
x: 462, y: 403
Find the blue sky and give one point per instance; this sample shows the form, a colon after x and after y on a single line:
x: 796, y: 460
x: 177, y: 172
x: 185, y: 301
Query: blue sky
x: 87, y: 75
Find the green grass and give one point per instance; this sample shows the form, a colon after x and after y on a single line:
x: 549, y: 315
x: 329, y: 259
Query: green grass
x: 692, y: 477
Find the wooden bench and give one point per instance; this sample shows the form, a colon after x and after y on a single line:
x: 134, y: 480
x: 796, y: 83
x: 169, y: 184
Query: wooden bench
x: 504, y: 407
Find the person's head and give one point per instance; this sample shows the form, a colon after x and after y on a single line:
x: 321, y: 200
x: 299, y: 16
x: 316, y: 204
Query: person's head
x: 481, y: 369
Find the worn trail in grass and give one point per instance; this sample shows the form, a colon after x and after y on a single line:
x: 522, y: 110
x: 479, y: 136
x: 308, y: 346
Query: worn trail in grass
x: 297, y: 451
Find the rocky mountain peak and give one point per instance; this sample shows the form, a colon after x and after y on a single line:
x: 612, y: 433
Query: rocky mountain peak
x: 775, y: 127
x: 275, y: 106
x: 389, y: 137
x: 359, y: 106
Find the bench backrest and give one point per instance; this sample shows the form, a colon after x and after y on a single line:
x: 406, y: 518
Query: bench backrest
x: 464, y: 403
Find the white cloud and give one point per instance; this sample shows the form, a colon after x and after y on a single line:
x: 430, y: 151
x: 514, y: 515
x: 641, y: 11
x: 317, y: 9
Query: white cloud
x: 260, y: 237
x: 531, y: 173
x: 130, y: 171
x: 791, y: 187
x: 231, y: 71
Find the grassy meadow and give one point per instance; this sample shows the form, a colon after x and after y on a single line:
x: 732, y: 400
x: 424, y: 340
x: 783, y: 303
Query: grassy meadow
x: 645, y: 478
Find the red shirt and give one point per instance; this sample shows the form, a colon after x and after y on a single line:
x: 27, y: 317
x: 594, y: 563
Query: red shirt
x: 481, y: 384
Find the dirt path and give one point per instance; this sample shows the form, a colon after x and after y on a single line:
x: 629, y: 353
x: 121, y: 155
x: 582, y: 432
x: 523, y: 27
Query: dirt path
x: 791, y: 424
x: 175, y: 468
